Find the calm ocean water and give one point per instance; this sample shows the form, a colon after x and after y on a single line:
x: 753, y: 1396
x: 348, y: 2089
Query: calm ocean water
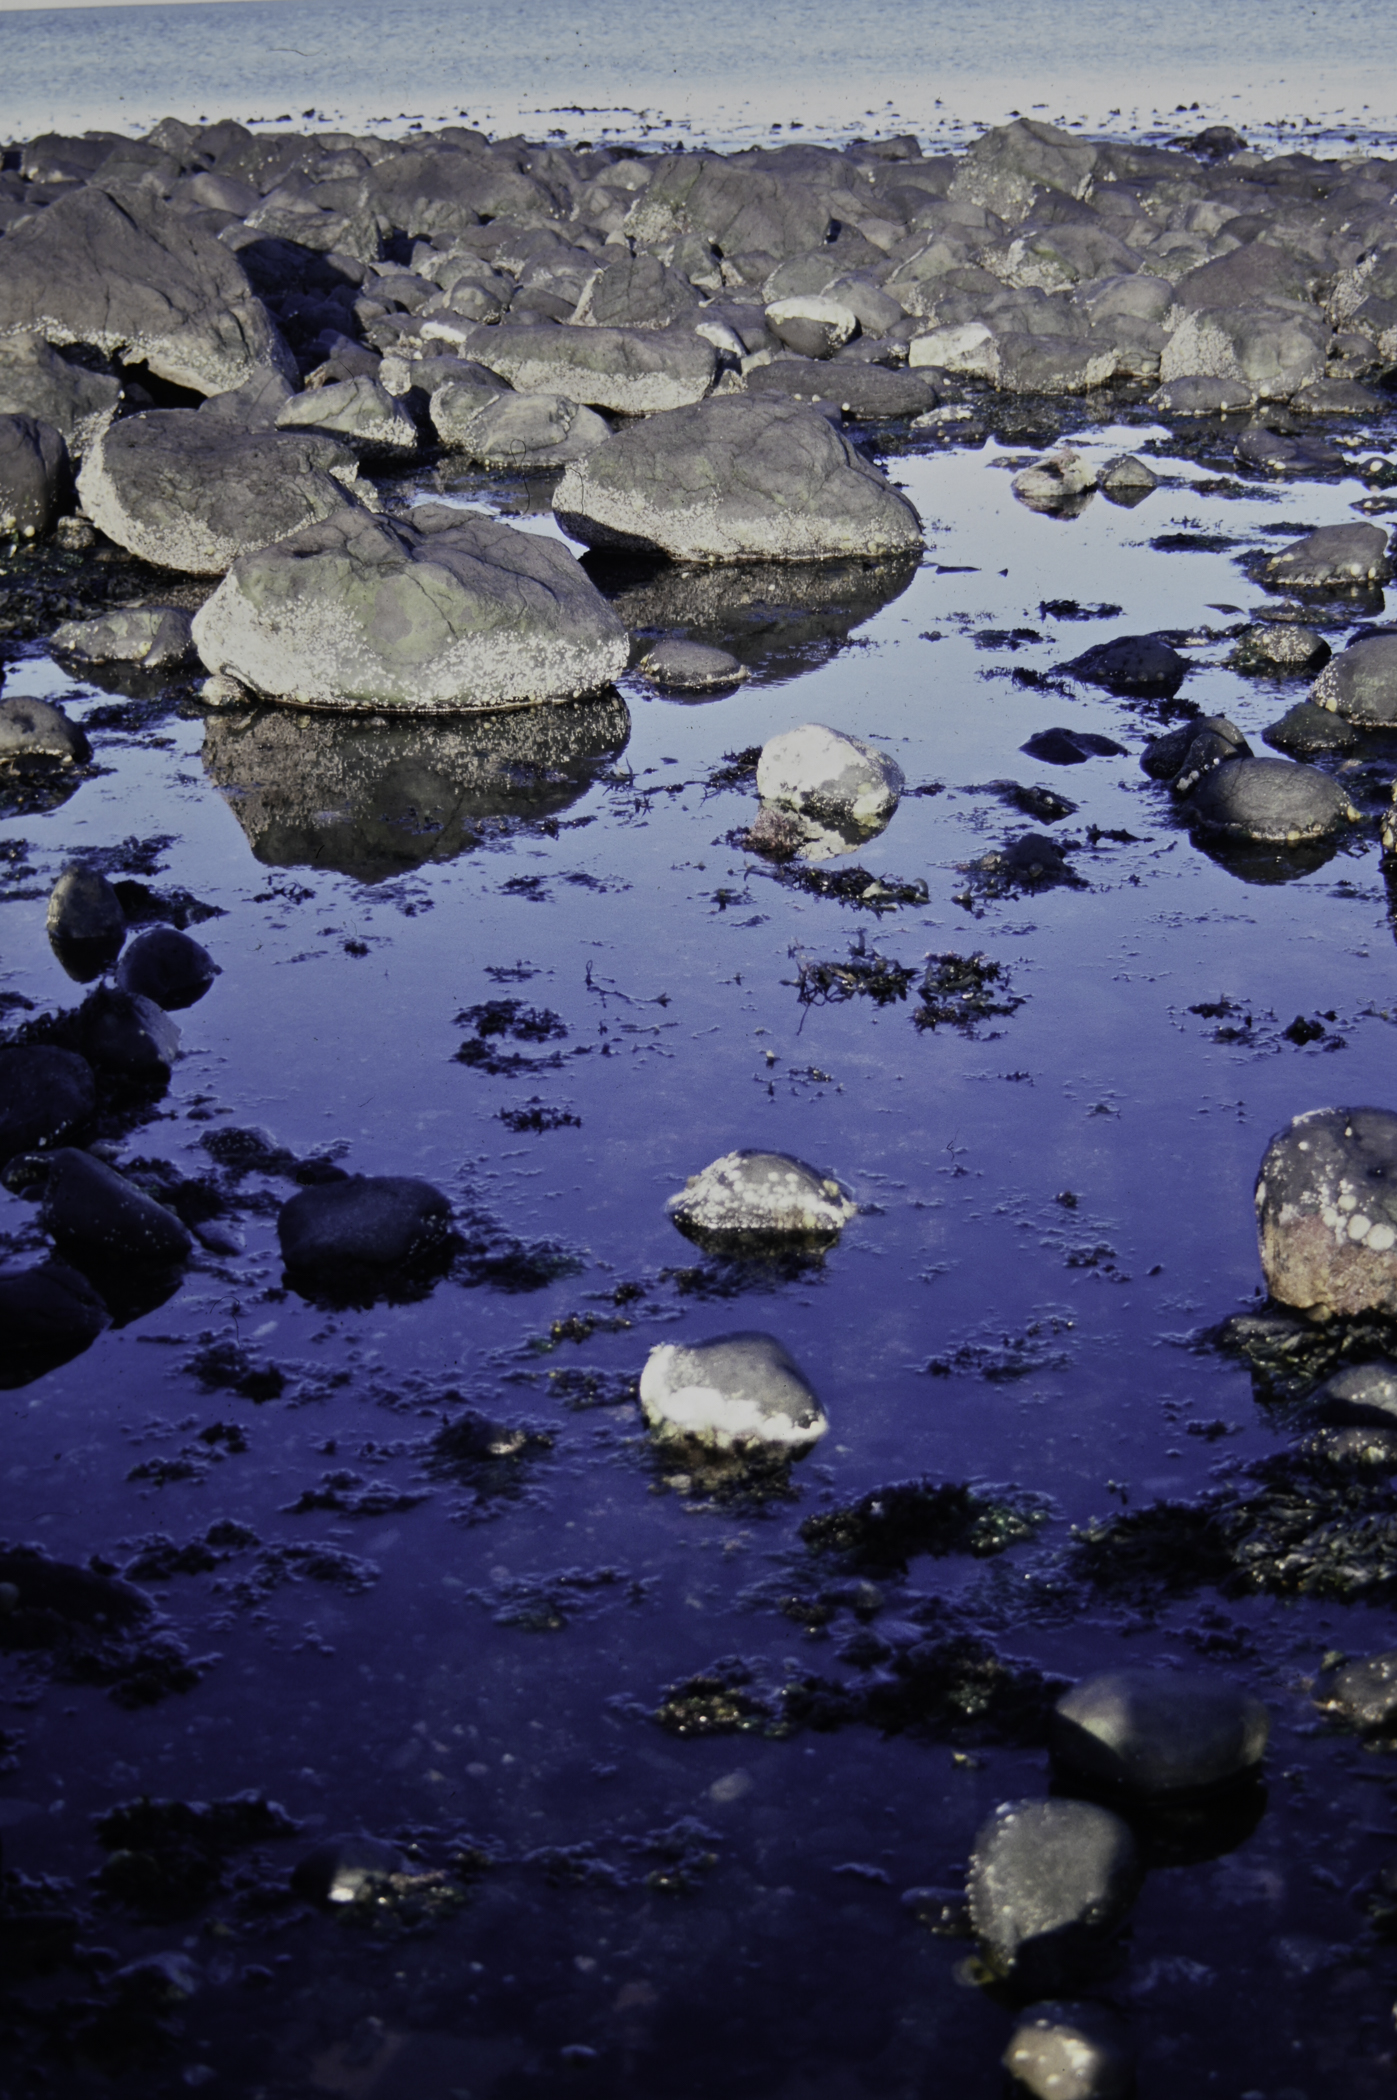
x: 725, y: 71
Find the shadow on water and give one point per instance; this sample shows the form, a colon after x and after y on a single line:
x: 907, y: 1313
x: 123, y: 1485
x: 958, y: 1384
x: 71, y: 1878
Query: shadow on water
x: 373, y: 798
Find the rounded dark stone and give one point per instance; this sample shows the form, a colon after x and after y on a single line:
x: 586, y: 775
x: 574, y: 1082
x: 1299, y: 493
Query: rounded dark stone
x: 95, y: 1215
x: 1269, y: 801
x: 86, y: 925
x: 1306, y: 729
x: 127, y: 1034
x: 44, y: 1093
x: 344, y: 1869
x: 1132, y: 663
x: 1050, y: 1883
x: 366, y: 1221
x: 1362, y: 1693
x: 1158, y: 1731
x: 48, y: 1316
x: 1326, y: 1212
x: 166, y: 967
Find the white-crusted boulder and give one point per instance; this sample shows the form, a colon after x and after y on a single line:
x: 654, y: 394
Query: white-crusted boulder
x: 446, y: 612
x: 830, y: 775
x: 1326, y: 1212
x: 736, y: 1392
x: 757, y: 1197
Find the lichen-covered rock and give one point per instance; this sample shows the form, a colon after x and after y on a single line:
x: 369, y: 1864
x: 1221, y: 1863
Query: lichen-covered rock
x: 1326, y: 1210
x: 1267, y: 353
x: 183, y: 491
x: 830, y: 775
x: 1061, y: 2051
x: 1269, y: 801
x: 96, y: 1216
x: 517, y: 430
x: 1007, y: 166
x: 366, y: 1221
x: 1362, y: 1693
x: 1334, y: 557
x: 147, y: 637
x: 735, y: 479
x: 1360, y: 683
x: 754, y: 1197
x: 736, y: 1392
x: 677, y: 666
x: 33, y: 475
x: 442, y: 612
x: 137, y: 279
x: 1279, y: 649
x: 359, y: 412
x: 1157, y: 1732
x: 36, y: 733
x: 1050, y: 1884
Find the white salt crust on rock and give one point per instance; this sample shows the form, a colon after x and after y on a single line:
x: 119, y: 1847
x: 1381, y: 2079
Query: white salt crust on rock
x: 447, y: 612
x: 830, y: 774
x: 761, y: 1195
x: 736, y: 1392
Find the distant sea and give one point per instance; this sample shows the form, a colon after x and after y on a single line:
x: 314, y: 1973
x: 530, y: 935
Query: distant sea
x: 724, y: 72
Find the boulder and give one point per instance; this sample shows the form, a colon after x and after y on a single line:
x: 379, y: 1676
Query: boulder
x: 166, y: 967
x: 868, y: 393
x: 345, y: 1870
x: 48, y: 1315
x: 812, y: 326
x: 1051, y: 483
x: 1127, y: 479
x: 1193, y: 395
x: 633, y: 371
x: 447, y: 611
x: 44, y: 1093
x: 635, y: 291
x: 96, y: 1216
x: 364, y: 1222
x: 1172, y: 756
x: 735, y: 479
x: 1361, y: 1393
x: 1155, y: 1732
x: 1279, y: 649
x: 183, y: 492
x: 1266, y: 353
x: 146, y: 637
x: 1364, y: 1693
x: 1064, y: 2051
x: 1050, y: 1884
x: 1269, y: 801
x: 1334, y: 557
x: 36, y: 733
x: 359, y: 412
x: 829, y: 775
x: 736, y: 1392
x: 85, y: 922
x: 753, y: 1198
x: 1006, y: 168
x: 128, y: 1035
x: 1326, y: 1211
x: 35, y: 380
x: 135, y: 279
x: 691, y: 667
x: 1270, y: 452
x: 1070, y: 747
x: 1141, y: 664
x: 1360, y: 683
x: 34, y: 475
x: 524, y: 431
x: 1305, y: 730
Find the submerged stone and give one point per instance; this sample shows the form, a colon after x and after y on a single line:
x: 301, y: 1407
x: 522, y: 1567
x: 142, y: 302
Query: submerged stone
x: 677, y: 666
x: 1050, y: 1884
x: 755, y: 1196
x: 1081, y: 2051
x: 1158, y: 1731
x: 1304, y: 730
x: 96, y: 1215
x: 1326, y: 1209
x: 443, y: 612
x: 1334, y: 557
x: 1132, y: 663
x: 734, y: 1392
x: 44, y: 1093
x: 369, y: 1221
x: 127, y: 1034
x: 168, y: 967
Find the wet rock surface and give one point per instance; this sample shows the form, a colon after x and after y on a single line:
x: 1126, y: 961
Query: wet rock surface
x: 1067, y: 2051
x: 1327, y: 1226
x: 733, y: 1392
x: 751, y: 1197
x: 1155, y: 1732
x: 1050, y: 1884
x: 369, y: 1222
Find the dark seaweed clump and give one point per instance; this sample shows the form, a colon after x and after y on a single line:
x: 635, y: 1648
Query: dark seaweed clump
x: 1290, y: 1356
x: 865, y: 975
x: 886, y: 1528
x: 167, y: 1857
x: 851, y: 886
x: 85, y: 1627
x: 960, y: 990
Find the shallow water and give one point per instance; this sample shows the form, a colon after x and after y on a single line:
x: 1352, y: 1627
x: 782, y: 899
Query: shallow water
x: 725, y: 74
x: 476, y: 1664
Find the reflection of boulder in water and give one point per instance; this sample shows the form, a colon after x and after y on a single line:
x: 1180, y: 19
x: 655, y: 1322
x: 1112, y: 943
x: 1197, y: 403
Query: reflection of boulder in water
x: 1264, y: 865
x: 374, y: 798
x: 778, y: 618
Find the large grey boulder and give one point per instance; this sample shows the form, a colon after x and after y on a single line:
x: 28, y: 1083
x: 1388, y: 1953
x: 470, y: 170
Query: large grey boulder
x: 516, y: 430
x: 448, y: 611
x: 182, y: 491
x: 1326, y: 1212
x: 1004, y: 169
x: 735, y: 479
x: 1360, y: 684
x: 1335, y: 556
x: 635, y: 291
x: 1050, y: 1884
x: 868, y: 393
x: 35, y: 380
x: 375, y: 798
x: 36, y: 733
x: 736, y: 1392
x: 634, y: 371
x: 33, y: 475
x: 140, y: 281
x: 754, y: 1198
x: 1158, y: 1731
x: 1269, y: 353
x: 1269, y: 801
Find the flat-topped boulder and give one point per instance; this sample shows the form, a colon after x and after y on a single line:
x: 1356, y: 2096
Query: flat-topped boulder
x: 635, y: 371
x: 1335, y: 557
x: 735, y: 479
x: 183, y: 491
x: 137, y: 280
x: 447, y: 612
x: 516, y: 430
